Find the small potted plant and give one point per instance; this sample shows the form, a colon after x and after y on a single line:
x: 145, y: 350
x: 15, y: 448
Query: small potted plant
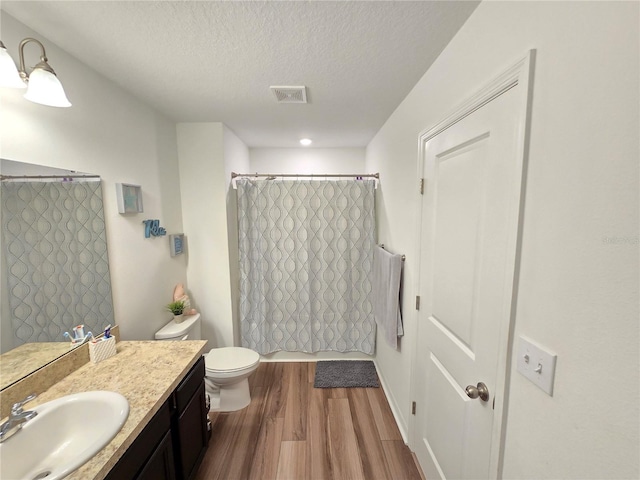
x: 177, y: 308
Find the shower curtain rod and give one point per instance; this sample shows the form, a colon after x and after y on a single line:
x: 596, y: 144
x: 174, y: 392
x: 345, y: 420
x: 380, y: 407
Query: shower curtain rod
x: 16, y: 177
x: 312, y: 175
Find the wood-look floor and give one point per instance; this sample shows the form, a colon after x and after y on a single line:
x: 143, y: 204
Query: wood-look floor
x: 294, y: 431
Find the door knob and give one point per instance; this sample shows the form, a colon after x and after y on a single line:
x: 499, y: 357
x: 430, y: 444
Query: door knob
x: 480, y: 391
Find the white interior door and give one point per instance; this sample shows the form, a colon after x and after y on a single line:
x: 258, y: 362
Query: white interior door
x: 469, y: 232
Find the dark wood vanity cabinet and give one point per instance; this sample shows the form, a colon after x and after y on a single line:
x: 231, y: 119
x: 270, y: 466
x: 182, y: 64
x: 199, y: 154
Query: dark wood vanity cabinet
x: 189, y: 423
x: 173, y: 444
x: 151, y: 454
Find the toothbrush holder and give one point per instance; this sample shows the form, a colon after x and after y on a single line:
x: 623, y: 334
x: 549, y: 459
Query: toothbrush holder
x: 102, y: 349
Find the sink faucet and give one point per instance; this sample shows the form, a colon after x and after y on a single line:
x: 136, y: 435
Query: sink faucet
x: 17, y: 418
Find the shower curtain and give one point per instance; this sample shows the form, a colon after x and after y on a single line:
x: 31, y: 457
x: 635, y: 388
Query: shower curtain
x: 55, y: 248
x: 306, y: 252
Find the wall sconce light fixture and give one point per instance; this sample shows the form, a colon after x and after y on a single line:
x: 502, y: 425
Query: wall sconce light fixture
x: 42, y: 84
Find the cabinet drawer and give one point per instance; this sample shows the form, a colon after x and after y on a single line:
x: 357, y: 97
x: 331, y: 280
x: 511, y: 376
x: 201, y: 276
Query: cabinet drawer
x: 189, y: 385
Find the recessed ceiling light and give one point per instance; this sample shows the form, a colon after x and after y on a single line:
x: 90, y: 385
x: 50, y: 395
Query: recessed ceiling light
x: 306, y: 142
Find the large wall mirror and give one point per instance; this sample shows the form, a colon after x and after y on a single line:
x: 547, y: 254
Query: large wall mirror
x: 54, y: 266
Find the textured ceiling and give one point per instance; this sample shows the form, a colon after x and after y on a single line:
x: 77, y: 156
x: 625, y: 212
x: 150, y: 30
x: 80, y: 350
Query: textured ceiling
x: 211, y: 61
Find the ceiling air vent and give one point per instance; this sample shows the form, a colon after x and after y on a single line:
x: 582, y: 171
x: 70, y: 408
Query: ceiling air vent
x: 290, y: 94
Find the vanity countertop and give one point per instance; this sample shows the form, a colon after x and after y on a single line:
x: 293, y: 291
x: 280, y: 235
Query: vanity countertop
x: 146, y: 373
x: 26, y: 358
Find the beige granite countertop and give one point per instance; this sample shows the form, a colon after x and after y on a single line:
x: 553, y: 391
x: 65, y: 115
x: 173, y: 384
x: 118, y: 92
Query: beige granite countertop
x: 25, y: 359
x: 145, y: 372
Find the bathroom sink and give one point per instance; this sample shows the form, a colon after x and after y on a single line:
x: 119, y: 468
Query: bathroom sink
x: 66, y: 433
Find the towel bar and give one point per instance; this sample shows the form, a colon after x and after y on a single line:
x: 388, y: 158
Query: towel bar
x: 404, y: 257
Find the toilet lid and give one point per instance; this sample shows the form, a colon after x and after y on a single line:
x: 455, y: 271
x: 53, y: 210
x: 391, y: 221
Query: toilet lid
x: 228, y: 359
x: 177, y: 330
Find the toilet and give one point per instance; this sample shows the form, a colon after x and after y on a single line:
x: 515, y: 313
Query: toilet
x: 227, y: 368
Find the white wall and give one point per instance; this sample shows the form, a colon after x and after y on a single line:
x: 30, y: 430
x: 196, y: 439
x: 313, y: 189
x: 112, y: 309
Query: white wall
x: 579, y: 273
x: 236, y: 159
x: 209, y: 152
x: 202, y: 171
x: 307, y: 160
x: 111, y: 133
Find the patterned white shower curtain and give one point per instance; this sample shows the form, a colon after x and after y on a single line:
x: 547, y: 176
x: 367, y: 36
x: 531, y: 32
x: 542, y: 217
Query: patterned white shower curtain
x: 306, y: 253
x: 55, y: 248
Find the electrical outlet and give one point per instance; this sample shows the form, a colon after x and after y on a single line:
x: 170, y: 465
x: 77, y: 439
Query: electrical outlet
x: 536, y: 363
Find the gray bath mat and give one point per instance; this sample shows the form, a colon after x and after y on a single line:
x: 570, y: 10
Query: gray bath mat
x: 346, y: 374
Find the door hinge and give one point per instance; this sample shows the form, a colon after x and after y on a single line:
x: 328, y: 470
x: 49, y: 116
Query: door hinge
x: 422, y: 186
x: 494, y: 403
x: 413, y: 408
x: 417, y: 302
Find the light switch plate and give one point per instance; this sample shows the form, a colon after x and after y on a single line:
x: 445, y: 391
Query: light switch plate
x: 536, y: 363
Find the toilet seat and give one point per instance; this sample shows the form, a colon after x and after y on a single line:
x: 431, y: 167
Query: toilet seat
x: 230, y: 359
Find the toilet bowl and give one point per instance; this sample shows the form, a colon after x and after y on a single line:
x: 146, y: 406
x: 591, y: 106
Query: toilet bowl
x: 227, y: 368
x: 227, y: 377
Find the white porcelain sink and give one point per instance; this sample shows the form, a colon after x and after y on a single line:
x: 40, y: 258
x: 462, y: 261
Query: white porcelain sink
x: 66, y: 433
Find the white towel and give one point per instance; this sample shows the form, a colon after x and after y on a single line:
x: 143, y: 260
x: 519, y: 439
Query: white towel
x: 387, y: 278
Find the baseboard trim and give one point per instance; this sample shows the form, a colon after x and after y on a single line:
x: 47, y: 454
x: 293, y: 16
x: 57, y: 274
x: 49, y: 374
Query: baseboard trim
x: 313, y: 357
x: 394, y: 406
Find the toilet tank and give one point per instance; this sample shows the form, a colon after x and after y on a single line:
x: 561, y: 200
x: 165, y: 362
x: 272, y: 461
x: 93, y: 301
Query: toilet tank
x: 188, y: 329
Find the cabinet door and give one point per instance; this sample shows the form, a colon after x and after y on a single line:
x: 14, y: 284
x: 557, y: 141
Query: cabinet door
x: 160, y: 465
x: 192, y: 435
x: 144, y: 446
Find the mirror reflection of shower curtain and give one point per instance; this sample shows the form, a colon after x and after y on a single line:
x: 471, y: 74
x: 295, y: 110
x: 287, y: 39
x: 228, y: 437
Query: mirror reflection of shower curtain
x: 55, y: 248
x: 306, y: 252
